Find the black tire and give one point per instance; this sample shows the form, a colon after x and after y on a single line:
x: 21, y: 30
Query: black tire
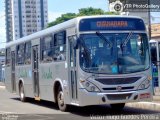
x: 21, y: 93
x: 60, y: 100
x: 118, y: 106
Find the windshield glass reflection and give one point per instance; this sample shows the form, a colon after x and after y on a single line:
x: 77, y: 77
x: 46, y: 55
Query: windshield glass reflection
x: 114, y: 53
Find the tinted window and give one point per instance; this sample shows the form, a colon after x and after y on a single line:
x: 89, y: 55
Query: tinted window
x: 60, y: 46
x: 153, y: 52
x: 27, y: 53
x: 8, y: 56
x: 20, y: 54
x: 47, y: 48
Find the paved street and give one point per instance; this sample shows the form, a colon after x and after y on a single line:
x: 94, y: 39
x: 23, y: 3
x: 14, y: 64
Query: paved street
x: 10, y: 104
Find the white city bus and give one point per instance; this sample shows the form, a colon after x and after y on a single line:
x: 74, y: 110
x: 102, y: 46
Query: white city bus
x: 90, y: 60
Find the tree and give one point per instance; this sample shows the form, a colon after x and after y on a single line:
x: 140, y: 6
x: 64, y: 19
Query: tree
x: 90, y: 11
x: 82, y: 12
x: 63, y: 18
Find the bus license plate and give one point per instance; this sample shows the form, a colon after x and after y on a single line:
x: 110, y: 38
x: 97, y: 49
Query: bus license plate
x: 144, y: 95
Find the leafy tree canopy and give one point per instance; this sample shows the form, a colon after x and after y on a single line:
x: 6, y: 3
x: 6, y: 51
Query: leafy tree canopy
x: 82, y: 12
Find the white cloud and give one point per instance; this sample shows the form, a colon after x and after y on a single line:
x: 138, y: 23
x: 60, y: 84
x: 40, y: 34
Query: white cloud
x: 53, y: 15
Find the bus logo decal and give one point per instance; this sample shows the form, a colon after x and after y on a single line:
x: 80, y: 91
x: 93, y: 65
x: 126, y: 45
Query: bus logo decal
x: 119, y: 88
x: 47, y: 74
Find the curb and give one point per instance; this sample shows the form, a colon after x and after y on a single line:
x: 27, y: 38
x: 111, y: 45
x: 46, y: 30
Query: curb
x: 145, y: 105
x: 2, y: 87
x: 156, y: 98
x: 2, y: 84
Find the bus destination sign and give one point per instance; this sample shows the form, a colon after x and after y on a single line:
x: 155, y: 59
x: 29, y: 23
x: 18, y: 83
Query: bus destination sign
x: 95, y: 24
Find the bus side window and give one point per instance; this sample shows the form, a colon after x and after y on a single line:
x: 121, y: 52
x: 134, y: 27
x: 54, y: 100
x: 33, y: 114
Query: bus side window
x: 27, y: 59
x: 47, y: 48
x: 60, y: 46
x: 8, y: 57
x: 153, y: 52
x: 20, y: 54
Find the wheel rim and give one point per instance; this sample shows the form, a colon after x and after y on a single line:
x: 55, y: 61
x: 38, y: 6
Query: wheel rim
x: 61, y: 99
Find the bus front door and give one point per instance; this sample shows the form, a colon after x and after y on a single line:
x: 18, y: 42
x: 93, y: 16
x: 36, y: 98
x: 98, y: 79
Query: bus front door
x: 13, y: 79
x: 72, y: 69
x: 35, y: 71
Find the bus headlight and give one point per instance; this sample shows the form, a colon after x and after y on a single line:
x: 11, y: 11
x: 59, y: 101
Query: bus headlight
x: 145, y: 84
x: 90, y: 87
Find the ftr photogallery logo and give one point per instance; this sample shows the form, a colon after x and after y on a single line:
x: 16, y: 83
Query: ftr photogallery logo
x: 118, y: 6
x: 135, y: 5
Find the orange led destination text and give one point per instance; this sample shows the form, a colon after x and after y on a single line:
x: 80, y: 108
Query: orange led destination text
x: 112, y: 24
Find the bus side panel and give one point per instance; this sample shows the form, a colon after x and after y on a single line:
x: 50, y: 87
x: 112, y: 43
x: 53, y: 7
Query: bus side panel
x: 25, y: 73
x: 46, y: 81
x: 8, y: 79
x: 49, y: 72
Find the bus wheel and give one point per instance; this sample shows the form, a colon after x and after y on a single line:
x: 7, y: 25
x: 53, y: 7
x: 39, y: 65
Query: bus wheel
x: 21, y: 93
x: 118, y: 106
x: 60, y: 99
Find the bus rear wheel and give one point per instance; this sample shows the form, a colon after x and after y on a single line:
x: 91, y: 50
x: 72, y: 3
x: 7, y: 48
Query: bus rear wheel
x: 21, y: 93
x: 118, y: 106
x: 60, y: 99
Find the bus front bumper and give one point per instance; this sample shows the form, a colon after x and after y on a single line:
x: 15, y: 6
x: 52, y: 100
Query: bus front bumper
x: 91, y: 98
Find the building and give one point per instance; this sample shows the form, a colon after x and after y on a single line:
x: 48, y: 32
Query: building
x: 8, y: 14
x: 155, y: 31
x: 2, y: 61
x: 24, y: 17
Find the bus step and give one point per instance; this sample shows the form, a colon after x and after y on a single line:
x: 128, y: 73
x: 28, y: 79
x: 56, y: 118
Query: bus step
x: 37, y: 98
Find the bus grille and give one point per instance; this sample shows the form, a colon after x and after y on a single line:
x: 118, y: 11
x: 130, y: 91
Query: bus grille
x: 117, y: 81
x: 123, y: 88
x: 119, y: 96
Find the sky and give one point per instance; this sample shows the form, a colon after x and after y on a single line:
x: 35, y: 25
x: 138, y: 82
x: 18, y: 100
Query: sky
x: 58, y: 7
x: 55, y: 9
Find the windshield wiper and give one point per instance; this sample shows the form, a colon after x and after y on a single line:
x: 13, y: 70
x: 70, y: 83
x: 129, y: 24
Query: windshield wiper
x: 103, y: 38
x: 127, y: 39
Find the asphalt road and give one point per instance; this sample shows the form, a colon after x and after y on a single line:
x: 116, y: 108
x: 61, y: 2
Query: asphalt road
x: 12, y: 107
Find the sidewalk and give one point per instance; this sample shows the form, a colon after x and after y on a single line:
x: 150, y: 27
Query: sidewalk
x: 2, y: 85
x: 156, y: 98
x: 153, y: 105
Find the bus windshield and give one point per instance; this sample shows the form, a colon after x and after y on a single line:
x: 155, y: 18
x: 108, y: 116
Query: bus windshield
x: 114, y: 53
